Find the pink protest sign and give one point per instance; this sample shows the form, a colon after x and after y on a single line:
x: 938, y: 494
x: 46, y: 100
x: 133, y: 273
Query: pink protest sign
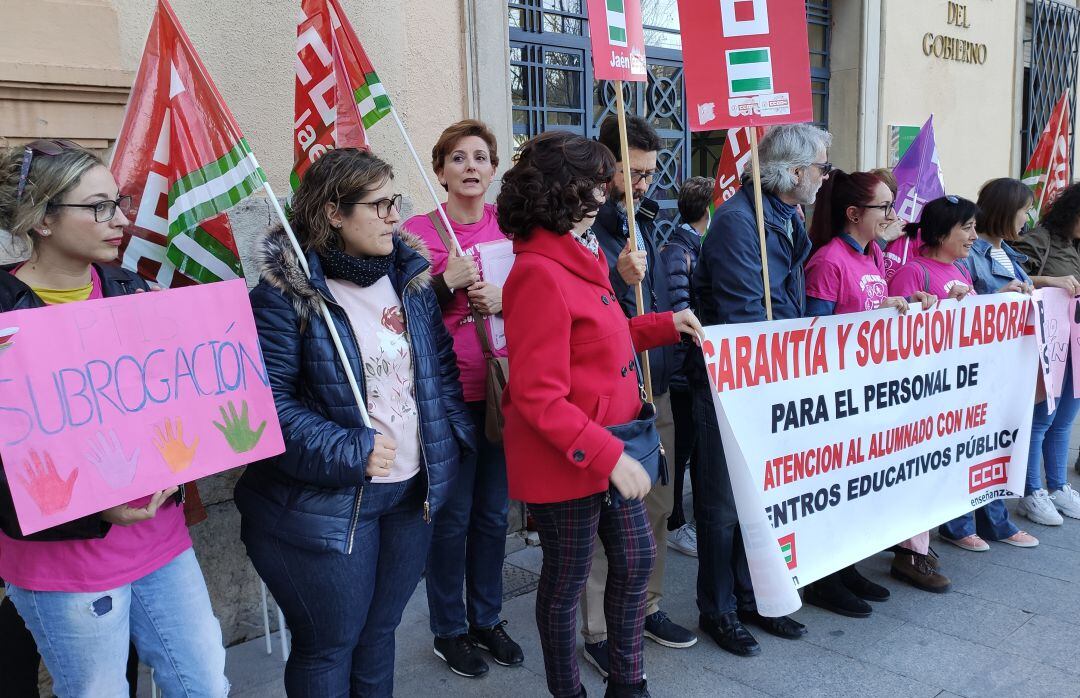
x: 1053, y: 328
x: 109, y: 400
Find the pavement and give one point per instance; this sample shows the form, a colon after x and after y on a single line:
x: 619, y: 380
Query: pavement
x: 1009, y: 627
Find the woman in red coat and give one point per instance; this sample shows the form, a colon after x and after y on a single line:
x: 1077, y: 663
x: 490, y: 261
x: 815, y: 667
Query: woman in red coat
x: 573, y: 373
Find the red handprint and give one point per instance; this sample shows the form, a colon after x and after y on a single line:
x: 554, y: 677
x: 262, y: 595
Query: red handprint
x: 46, y: 488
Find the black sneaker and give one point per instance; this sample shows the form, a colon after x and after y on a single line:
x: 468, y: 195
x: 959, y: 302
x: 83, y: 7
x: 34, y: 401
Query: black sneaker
x: 596, y: 654
x: 461, y: 655
x: 498, y: 644
x: 634, y: 690
x: 664, y: 631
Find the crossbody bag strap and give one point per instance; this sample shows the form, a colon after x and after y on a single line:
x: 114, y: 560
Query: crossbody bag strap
x: 478, y: 319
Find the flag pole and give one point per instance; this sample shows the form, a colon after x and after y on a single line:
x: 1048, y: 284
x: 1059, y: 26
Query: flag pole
x: 325, y: 311
x: 760, y: 221
x: 631, y: 224
x: 427, y: 180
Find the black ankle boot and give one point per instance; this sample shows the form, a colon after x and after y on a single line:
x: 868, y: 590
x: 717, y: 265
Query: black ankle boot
x: 861, y: 586
x: 831, y: 594
x: 623, y: 690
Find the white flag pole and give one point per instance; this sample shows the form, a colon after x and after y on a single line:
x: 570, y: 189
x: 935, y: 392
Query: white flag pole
x: 353, y: 385
x: 427, y: 180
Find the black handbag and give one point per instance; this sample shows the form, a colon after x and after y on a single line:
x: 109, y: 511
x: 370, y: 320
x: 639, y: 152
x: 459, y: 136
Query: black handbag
x: 641, y: 442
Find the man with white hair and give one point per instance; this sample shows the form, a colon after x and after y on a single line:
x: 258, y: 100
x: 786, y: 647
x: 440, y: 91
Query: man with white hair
x: 729, y: 287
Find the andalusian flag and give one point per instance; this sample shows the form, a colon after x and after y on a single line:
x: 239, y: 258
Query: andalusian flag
x: 185, y: 162
x: 338, y: 93
x: 1048, y: 172
x: 616, y: 22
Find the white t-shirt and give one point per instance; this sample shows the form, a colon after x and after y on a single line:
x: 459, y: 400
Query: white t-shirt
x: 379, y: 325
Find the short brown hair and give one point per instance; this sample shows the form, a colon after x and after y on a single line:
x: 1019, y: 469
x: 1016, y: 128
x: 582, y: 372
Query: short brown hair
x: 639, y: 134
x: 695, y: 195
x: 454, y: 133
x: 343, y: 174
x: 999, y: 201
x: 887, y: 177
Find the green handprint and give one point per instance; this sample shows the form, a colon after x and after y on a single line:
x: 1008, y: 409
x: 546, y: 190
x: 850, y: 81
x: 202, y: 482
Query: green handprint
x: 237, y: 428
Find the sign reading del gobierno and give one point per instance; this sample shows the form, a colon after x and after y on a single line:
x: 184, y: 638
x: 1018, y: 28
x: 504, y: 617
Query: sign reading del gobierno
x: 106, y: 401
x: 845, y: 435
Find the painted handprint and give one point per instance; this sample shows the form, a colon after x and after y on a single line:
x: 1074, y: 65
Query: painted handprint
x: 170, y: 444
x: 51, y: 493
x: 106, y: 453
x: 237, y: 429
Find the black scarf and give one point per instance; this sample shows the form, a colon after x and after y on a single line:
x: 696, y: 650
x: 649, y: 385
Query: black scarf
x: 362, y: 271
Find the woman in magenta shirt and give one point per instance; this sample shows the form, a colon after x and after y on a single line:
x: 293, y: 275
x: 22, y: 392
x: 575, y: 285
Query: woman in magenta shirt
x: 86, y: 587
x: 468, y: 542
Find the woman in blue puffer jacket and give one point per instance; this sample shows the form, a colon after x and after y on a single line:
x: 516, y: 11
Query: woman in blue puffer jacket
x: 338, y: 526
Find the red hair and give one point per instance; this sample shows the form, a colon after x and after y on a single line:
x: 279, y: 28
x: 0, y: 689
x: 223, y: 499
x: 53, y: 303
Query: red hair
x: 840, y: 191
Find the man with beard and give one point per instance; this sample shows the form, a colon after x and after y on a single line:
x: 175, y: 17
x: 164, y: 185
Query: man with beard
x: 625, y: 269
x: 729, y: 287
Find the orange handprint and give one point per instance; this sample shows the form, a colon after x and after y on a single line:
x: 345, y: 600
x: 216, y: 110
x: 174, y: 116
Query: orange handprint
x: 49, y: 492
x: 177, y: 455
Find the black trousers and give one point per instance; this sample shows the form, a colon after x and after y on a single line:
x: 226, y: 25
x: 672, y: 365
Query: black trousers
x: 685, y: 456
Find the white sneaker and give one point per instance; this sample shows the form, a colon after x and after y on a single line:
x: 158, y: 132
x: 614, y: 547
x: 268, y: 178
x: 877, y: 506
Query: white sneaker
x: 1038, y: 507
x: 1067, y: 501
x: 684, y: 539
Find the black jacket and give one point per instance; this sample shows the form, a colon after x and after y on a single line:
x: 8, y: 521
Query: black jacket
x: 15, y: 295
x: 680, y: 256
x: 308, y: 495
x: 654, y: 287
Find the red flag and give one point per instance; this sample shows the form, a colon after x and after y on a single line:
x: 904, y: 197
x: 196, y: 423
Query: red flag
x: 733, y: 159
x: 183, y: 159
x: 1048, y: 172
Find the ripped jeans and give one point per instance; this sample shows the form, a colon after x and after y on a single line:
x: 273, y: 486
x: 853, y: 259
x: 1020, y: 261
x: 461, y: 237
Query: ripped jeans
x: 83, y: 637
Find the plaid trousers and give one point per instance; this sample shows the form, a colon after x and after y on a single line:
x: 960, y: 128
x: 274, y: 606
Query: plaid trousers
x: 567, y: 530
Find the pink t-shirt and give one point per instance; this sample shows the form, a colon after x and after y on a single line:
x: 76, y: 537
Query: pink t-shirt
x: 125, y: 554
x: 456, y: 315
x: 839, y: 273
x: 901, y: 251
x: 930, y: 275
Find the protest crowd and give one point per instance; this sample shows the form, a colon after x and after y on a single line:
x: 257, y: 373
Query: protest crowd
x: 589, y: 401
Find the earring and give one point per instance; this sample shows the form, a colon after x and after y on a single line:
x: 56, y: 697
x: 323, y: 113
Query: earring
x: 45, y: 232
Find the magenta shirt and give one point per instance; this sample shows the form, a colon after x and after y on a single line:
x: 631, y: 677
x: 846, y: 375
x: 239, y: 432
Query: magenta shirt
x: 901, y: 251
x: 839, y: 273
x: 125, y: 554
x: 930, y: 275
x: 456, y: 315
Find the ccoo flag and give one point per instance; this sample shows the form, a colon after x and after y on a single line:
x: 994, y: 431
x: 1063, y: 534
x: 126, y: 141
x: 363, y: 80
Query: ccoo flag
x: 1048, y: 172
x: 919, y: 179
x: 733, y: 158
x: 182, y: 157
x: 338, y: 93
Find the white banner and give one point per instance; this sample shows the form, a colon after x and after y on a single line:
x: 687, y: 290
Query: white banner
x: 848, y: 434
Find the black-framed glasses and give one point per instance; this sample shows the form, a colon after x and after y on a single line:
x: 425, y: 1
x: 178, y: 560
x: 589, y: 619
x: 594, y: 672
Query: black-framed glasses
x: 103, y: 210
x: 884, y: 208
x: 382, y: 206
x: 48, y: 146
x: 639, y: 176
x: 825, y: 167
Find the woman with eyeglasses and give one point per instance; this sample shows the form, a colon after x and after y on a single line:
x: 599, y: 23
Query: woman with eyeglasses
x: 468, y: 544
x: 847, y: 275
x: 87, y: 587
x: 339, y: 525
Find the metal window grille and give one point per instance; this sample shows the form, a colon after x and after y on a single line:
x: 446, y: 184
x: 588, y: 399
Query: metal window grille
x: 1055, y: 46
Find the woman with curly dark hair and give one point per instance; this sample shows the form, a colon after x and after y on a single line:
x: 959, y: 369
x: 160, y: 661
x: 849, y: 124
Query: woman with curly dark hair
x: 1053, y: 259
x: 573, y: 372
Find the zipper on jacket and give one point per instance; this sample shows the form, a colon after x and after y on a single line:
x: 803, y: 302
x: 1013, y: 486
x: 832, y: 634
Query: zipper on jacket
x: 355, y: 517
x: 419, y: 417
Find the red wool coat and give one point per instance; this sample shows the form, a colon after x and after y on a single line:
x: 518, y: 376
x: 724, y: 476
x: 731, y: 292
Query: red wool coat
x: 572, y: 369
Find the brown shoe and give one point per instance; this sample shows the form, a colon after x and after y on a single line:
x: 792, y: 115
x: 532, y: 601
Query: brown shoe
x: 931, y: 558
x: 918, y: 571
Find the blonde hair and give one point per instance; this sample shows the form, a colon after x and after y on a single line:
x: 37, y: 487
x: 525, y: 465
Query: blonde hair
x: 49, y: 179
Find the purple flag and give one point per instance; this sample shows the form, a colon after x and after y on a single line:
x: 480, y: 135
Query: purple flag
x: 918, y: 175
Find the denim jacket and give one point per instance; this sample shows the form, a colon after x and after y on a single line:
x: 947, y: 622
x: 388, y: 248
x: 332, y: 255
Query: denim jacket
x: 989, y: 275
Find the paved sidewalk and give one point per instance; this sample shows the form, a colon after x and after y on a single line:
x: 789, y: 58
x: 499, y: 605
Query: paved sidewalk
x: 1010, y: 627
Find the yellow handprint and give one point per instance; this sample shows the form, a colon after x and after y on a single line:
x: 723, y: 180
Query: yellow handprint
x: 177, y: 455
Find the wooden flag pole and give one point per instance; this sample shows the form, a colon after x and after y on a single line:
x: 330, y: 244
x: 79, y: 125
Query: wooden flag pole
x: 631, y: 224
x: 760, y: 221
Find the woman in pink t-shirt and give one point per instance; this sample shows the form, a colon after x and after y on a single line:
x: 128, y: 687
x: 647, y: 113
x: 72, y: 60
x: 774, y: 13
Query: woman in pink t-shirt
x: 947, y: 231
x: 88, y: 587
x: 470, y: 530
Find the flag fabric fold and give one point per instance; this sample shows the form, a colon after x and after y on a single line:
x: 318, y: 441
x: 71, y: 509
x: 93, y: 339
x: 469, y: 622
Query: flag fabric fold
x: 184, y: 160
x: 733, y: 158
x: 1048, y: 171
x: 918, y: 175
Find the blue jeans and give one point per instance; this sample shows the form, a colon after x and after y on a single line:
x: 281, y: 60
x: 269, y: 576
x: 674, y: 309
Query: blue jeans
x: 1050, y: 439
x: 343, y: 609
x: 469, y: 542
x: 83, y: 637
x: 990, y: 521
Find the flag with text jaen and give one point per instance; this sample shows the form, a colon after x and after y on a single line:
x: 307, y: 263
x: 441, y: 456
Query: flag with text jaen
x: 618, y: 40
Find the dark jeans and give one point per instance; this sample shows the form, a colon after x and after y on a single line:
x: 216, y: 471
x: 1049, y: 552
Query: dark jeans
x: 685, y: 458
x: 990, y: 521
x: 723, y: 582
x: 343, y: 609
x: 469, y: 542
x: 567, y: 531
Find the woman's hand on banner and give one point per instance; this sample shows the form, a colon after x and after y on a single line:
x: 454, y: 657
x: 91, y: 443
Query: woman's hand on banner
x: 898, y: 302
x: 1017, y: 286
x: 124, y: 515
x: 959, y: 291
x: 928, y: 300
x: 687, y: 323
x: 630, y: 479
x: 1069, y: 283
x: 461, y: 271
x: 485, y: 297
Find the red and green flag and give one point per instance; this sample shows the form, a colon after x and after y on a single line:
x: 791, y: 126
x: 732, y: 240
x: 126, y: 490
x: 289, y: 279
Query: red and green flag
x: 338, y: 93
x: 1048, y: 171
x: 733, y: 158
x: 183, y: 159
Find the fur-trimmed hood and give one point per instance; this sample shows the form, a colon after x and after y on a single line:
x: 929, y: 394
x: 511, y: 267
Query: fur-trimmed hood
x: 281, y: 269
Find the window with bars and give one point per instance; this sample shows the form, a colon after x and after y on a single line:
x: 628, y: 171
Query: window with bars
x: 1053, y: 49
